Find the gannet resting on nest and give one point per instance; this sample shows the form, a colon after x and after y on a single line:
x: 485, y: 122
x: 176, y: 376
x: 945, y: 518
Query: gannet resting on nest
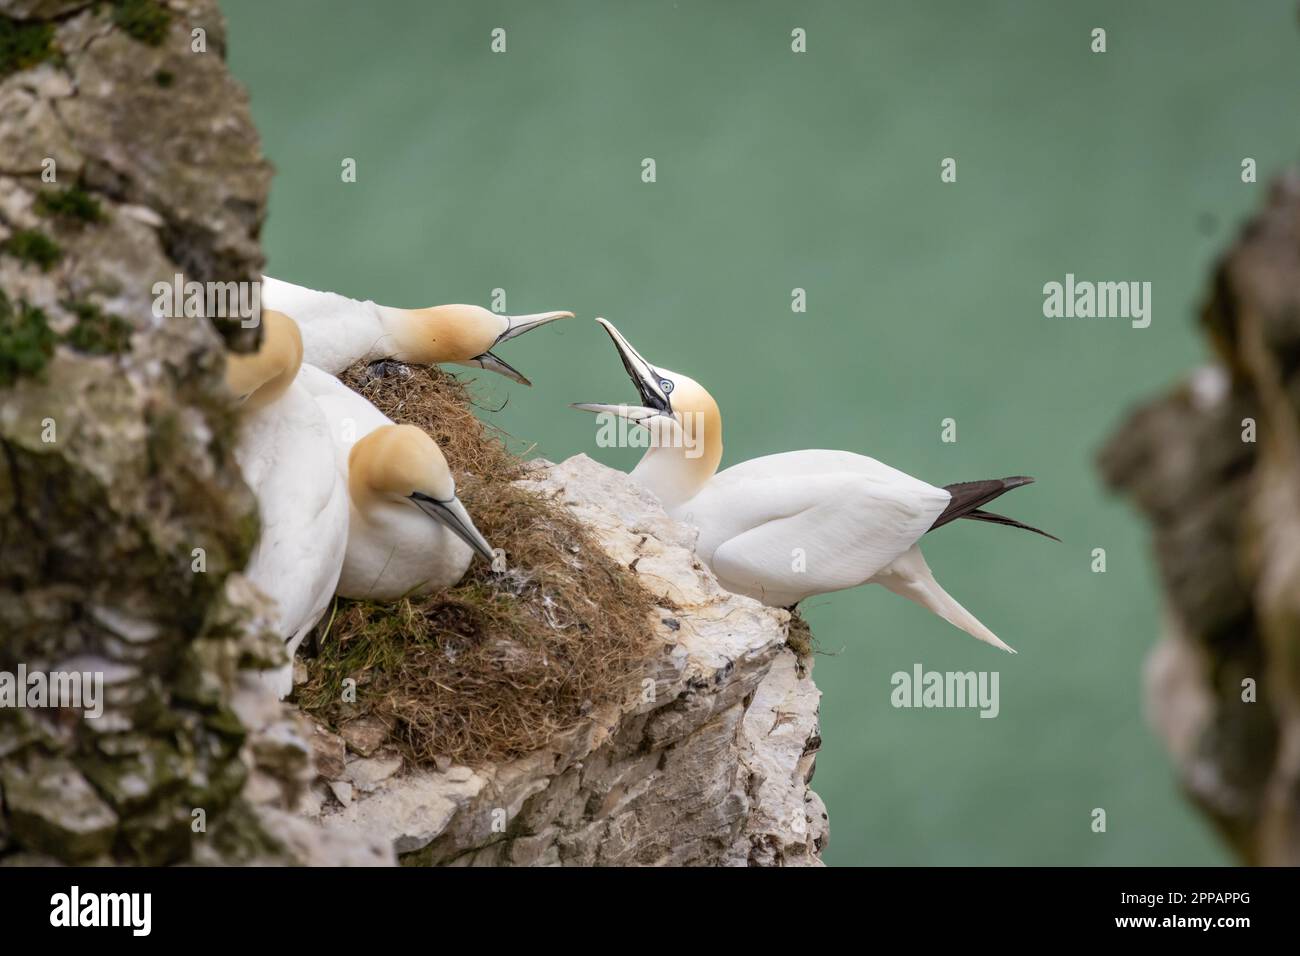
x: 286, y: 455
x: 408, y: 532
x: 338, y: 332
x: 854, y: 520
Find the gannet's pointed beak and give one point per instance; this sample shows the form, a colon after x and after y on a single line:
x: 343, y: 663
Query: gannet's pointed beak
x: 633, y: 413
x: 494, y: 363
x: 644, y: 376
x: 519, y: 324
x: 453, y: 514
x: 516, y: 325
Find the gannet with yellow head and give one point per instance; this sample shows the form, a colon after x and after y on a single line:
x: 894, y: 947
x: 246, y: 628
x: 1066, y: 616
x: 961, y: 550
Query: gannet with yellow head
x: 339, y: 332
x: 286, y: 455
x: 785, y: 527
x: 408, y: 533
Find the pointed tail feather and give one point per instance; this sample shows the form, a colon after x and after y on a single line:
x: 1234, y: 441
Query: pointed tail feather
x: 993, y: 518
x: 967, y: 496
x: 910, y: 577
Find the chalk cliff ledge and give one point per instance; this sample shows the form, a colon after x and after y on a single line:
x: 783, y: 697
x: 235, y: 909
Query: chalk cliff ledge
x: 709, y: 766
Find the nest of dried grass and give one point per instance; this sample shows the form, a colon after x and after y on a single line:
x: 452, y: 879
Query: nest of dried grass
x: 494, y: 667
x: 799, y: 638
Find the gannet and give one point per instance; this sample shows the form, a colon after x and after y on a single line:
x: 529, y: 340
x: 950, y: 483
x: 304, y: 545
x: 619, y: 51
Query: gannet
x: 785, y: 527
x: 338, y: 332
x: 286, y: 455
x: 408, y: 533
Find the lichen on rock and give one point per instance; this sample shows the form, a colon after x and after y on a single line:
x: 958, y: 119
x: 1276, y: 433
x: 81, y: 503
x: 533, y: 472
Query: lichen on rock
x: 123, y: 518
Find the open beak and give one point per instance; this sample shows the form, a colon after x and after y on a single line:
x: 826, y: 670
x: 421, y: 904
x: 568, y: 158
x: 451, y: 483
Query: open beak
x: 499, y: 365
x: 516, y: 325
x: 633, y: 413
x: 453, y: 514
x: 644, y: 376
x: 519, y: 324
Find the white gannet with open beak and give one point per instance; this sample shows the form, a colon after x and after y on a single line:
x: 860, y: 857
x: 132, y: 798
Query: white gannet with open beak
x: 286, y: 455
x: 338, y: 332
x: 784, y: 527
x: 408, y: 533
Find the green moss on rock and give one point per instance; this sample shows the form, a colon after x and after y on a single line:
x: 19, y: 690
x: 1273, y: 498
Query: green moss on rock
x: 53, y: 809
x: 98, y: 333
x: 32, y: 245
x: 145, y: 20
x: 72, y: 204
x: 24, y: 45
x: 26, y: 341
x: 157, y: 838
x: 131, y: 782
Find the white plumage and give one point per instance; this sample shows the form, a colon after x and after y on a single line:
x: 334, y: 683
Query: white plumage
x: 785, y: 527
x: 348, y: 415
x: 848, y: 515
x: 287, y: 458
x: 408, y: 533
x: 338, y: 332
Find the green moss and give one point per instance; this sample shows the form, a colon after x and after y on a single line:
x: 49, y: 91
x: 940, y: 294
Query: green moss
x: 145, y: 20
x: 33, y: 246
x: 73, y: 203
x: 97, y: 333
x: 26, y: 340
x: 23, y: 45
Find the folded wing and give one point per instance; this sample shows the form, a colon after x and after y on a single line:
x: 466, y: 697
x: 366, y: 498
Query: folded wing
x: 786, y: 527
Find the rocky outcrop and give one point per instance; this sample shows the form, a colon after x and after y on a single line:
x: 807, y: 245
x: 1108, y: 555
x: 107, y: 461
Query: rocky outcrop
x: 128, y: 156
x: 709, y: 766
x: 1215, y: 467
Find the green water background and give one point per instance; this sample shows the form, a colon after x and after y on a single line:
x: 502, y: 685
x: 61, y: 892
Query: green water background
x: 821, y: 171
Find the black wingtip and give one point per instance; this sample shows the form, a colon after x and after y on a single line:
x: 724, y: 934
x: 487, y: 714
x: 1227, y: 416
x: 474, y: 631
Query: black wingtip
x: 966, y: 496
